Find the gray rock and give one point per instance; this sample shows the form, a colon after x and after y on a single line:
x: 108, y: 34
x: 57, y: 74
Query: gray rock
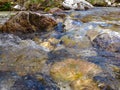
x: 76, y: 4
x: 108, y: 41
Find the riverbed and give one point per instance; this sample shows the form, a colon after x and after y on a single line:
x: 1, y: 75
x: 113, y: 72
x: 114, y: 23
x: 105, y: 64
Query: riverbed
x: 92, y: 36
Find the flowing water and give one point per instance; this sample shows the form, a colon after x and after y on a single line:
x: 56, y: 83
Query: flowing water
x: 93, y: 35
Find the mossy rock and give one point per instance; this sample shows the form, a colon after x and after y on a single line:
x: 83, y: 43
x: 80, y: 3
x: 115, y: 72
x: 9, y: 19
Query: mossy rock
x: 70, y: 70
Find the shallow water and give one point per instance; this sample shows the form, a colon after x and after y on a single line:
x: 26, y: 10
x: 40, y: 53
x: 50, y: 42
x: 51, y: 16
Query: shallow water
x: 80, y: 39
x: 5, y: 15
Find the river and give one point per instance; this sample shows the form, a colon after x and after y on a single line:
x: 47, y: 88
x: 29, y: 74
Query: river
x: 92, y: 35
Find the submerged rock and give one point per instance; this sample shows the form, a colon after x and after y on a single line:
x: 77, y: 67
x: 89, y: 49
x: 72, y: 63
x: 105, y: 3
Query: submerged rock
x: 12, y: 81
x: 28, y: 22
x: 22, y: 61
x: 75, y: 71
x: 73, y: 42
x: 7, y: 80
x: 70, y: 70
x: 21, y: 56
x: 49, y: 44
x: 31, y: 82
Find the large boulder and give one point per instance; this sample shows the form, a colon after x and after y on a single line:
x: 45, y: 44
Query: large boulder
x: 28, y: 22
x: 76, y: 4
x: 83, y: 4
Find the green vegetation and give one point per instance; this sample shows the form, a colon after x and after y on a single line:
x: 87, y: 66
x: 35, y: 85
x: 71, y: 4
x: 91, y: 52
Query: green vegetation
x: 31, y: 4
x: 5, y: 6
x: 97, y: 2
x: 42, y: 4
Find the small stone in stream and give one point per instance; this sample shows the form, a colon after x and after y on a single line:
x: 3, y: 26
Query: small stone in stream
x: 68, y: 41
x: 69, y: 23
x: 53, y: 41
x: 25, y: 22
x: 18, y: 7
x: 92, y: 34
x: 108, y: 41
x: 48, y: 44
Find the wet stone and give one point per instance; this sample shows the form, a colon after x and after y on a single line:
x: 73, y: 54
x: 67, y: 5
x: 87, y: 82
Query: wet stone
x: 29, y: 82
x: 109, y: 42
x: 82, y: 53
x: 70, y: 70
x: 11, y: 81
x: 77, y: 73
x: 28, y: 22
